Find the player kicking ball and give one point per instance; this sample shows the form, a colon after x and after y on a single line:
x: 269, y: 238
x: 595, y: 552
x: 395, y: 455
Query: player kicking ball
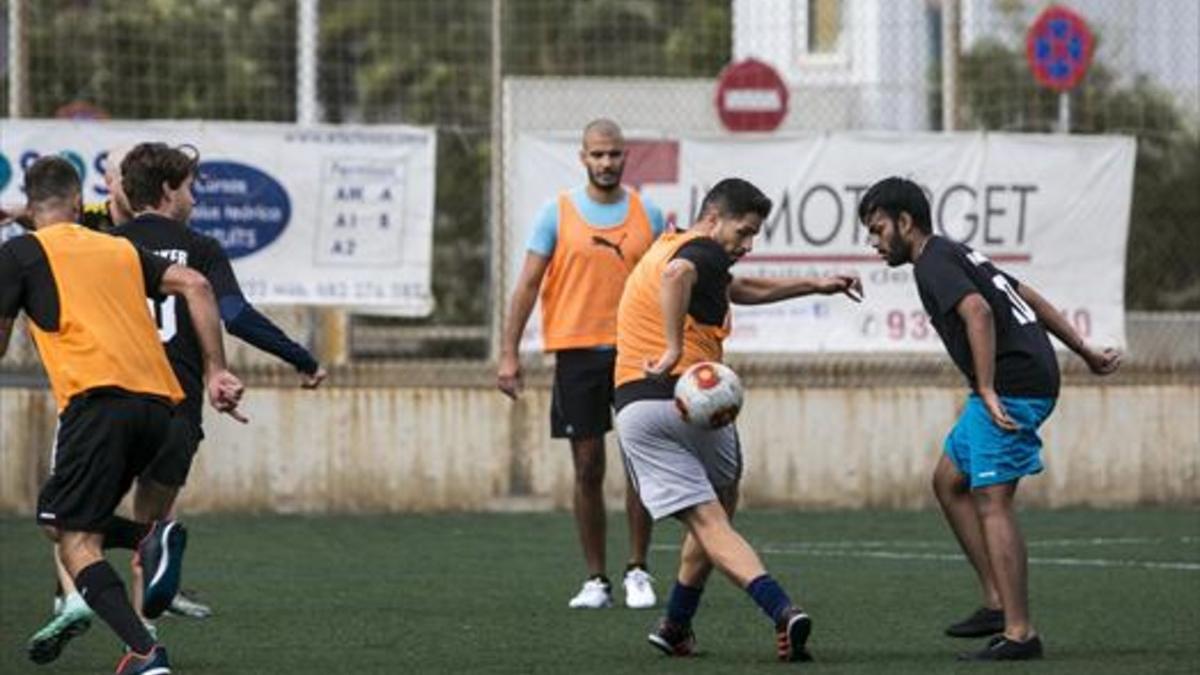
x: 994, y: 328
x: 673, y: 314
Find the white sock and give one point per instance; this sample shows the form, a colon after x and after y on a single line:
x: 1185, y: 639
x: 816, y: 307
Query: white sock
x: 75, y: 603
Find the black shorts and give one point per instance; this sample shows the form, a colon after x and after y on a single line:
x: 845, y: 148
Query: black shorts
x: 104, y: 440
x: 581, y: 405
x: 173, y: 463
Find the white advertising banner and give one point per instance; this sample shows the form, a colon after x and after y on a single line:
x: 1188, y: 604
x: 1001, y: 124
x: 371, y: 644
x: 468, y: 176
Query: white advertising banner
x: 1053, y: 211
x: 312, y: 215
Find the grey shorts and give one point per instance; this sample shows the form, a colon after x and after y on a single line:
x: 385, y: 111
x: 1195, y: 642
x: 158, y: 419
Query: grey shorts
x: 673, y: 464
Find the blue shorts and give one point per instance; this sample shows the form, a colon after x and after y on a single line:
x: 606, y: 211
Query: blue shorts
x: 988, y: 455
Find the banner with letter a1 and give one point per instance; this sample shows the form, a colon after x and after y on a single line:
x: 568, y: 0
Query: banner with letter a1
x: 309, y: 215
x: 1051, y: 210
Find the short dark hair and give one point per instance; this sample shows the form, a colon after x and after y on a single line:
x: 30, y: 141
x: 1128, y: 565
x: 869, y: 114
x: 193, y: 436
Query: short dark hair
x: 148, y: 165
x: 735, y: 197
x: 52, y: 178
x: 896, y: 195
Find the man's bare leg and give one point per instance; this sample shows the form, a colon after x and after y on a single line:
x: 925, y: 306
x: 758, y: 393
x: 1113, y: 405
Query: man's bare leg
x: 590, y: 518
x: 640, y: 525
x: 1006, y: 550
x: 958, y: 506
x: 151, y: 501
x: 83, y: 557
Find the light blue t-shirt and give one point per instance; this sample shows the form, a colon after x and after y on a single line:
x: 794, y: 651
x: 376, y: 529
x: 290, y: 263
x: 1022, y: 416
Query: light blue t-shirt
x: 545, y: 226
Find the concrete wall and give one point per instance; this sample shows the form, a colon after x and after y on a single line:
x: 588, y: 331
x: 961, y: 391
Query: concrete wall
x: 423, y: 448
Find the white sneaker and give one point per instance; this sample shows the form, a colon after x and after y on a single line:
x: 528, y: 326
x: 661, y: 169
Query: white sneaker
x: 595, y: 594
x: 639, y: 589
x: 185, y: 605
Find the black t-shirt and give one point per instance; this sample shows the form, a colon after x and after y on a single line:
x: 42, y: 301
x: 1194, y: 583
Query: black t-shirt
x: 710, y: 293
x: 947, y: 272
x: 27, y: 282
x: 708, y: 305
x: 180, y: 244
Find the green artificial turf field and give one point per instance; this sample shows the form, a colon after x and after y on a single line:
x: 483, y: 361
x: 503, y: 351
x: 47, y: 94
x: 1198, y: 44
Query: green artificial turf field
x: 1112, y: 592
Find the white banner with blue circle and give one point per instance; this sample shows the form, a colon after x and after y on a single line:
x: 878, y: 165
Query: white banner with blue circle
x: 309, y: 215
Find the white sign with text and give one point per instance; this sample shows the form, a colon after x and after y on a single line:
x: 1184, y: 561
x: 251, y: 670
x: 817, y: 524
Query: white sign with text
x: 1053, y: 211
x: 309, y: 215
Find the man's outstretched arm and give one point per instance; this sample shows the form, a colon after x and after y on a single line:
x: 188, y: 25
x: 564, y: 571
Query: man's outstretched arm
x: 762, y: 290
x: 1100, y: 361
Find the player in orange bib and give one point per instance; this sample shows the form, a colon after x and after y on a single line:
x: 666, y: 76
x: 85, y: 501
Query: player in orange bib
x: 85, y: 295
x: 674, y: 313
x: 582, y: 248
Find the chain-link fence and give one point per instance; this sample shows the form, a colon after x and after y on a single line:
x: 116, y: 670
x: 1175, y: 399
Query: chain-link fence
x: 861, y: 64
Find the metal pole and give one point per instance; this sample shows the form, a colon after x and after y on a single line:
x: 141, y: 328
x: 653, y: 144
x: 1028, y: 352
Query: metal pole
x: 950, y: 51
x: 307, y: 111
x: 499, y: 248
x: 18, y: 60
x: 1064, y: 112
x: 331, y: 324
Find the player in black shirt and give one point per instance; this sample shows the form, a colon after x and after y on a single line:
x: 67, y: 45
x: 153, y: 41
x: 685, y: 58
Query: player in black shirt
x: 159, y: 226
x: 154, y: 182
x: 994, y: 328
x: 157, y: 182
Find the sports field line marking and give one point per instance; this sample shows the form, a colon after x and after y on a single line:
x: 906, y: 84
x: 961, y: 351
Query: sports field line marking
x: 1062, y: 562
x: 869, y: 549
x: 1036, y: 543
x: 1077, y: 542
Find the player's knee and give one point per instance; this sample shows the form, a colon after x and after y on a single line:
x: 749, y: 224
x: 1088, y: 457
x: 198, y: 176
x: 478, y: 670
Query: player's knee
x: 945, y: 487
x: 705, y: 518
x: 590, y: 473
x: 589, y: 464
x: 947, y: 481
x: 935, y: 484
x: 993, y: 500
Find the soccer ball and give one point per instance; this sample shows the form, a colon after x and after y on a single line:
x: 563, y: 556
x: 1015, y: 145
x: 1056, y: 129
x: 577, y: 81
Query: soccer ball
x: 708, y: 395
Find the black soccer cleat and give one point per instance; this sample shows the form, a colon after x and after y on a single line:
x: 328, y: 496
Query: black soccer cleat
x: 673, y: 639
x: 154, y: 663
x: 160, y: 554
x: 1001, y: 648
x: 791, y: 635
x: 982, y: 623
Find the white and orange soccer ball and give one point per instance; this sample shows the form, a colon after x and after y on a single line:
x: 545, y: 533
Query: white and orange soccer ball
x: 709, y: 395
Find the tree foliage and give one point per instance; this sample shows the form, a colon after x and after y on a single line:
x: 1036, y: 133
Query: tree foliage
x: 1164, y: 243
x: 430, y: 63
x: 211, y: 59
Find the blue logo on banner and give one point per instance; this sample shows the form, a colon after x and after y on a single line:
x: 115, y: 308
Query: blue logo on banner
x: 76, y: 161
x: 6, y: 172
x: 239, y: 206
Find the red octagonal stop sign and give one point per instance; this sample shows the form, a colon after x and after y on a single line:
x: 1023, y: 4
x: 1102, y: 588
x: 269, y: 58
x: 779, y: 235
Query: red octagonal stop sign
x: 751, y: 96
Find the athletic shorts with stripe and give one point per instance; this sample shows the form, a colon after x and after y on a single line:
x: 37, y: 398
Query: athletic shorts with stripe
x: 673, y: 464
x: 582, y: 397
x: 104, y: 440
